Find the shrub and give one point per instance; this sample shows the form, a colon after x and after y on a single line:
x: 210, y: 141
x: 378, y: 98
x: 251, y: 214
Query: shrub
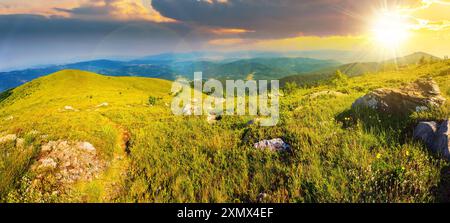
x: 152, y: 100
x: 290, y: 87
x: 339, y: 78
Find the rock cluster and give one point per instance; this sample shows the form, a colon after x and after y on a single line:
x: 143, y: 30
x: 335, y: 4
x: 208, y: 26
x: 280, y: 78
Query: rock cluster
x: 68, y: 161
x: 420, y: 95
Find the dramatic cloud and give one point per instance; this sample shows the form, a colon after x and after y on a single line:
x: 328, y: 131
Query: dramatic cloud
x: 86, y: 9
x: 35, y: 39
x: 274, y: 19
x: 115, y: 9
x: 53, y: 31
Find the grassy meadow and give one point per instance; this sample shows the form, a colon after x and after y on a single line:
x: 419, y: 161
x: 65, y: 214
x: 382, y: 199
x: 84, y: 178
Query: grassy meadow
x: 338, y: 154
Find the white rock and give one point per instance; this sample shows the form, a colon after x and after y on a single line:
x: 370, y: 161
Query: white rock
x: 8, y: 138
x: 421, y: 108
x: 20, y: 142
x: 104, y: 104
x: 69, y: 108
x: 87, y: 146
x: 275, y: 145
x: 48, y: 163
x: 48, y: 147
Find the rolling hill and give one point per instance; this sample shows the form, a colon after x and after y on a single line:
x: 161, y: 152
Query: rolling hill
x: 359, y: 68
x: 141, y: 152
x: 414, y: 58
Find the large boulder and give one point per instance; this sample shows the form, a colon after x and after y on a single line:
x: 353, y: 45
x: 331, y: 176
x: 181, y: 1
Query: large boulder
x: 425, y: 132
x: 441, y: 142
x: 435, y: 136
x: 420, y: 95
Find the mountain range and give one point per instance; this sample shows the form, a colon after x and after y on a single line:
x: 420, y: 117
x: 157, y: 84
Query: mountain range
x: 238, y: 65
x: 170, y: 66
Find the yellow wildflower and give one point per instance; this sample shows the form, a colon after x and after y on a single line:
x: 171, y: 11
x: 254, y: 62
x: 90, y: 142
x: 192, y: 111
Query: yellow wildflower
x: 379, y: 156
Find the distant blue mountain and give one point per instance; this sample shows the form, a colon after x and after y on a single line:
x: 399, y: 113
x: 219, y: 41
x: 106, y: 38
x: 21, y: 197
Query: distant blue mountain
x: 235, y: 65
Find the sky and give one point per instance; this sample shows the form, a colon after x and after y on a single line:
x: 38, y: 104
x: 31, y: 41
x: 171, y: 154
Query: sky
x: 43, y: 32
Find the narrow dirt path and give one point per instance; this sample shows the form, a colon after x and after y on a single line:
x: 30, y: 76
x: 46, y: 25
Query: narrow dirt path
x: 110, y: 184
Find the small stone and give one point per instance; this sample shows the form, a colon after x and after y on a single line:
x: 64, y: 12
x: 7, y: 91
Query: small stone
x: 8, y: 138
x: 87, y: 146
x: 422, y: 108
x: 104, y: 104
x: 69, y: 108
x: 20, y: 142
x: 275, y: 145
x: 48, y: 163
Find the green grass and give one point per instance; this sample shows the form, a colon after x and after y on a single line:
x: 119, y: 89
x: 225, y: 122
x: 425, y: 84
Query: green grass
x: 339, y: 155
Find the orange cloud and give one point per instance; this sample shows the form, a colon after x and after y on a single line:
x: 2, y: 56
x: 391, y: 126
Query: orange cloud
x: 108, y: 9
x: 136, y: 9
x: 225, y: 31
x: 43, y: 7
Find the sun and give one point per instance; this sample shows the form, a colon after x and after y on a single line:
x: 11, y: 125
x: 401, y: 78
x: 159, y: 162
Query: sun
x: 390, y: 29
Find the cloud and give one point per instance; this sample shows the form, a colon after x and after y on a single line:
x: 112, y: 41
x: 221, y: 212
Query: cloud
x: 49, y: 31
x: 278, y: 19
x: 115, y: 9
x: 86, y: 9
x: 431, y: 15
x: 36, y: 39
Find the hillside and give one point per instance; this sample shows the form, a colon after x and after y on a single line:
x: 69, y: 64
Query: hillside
x: 143, y: 153
x: 415, y: 58
x: 359, y: 68
x: 267, y: 68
